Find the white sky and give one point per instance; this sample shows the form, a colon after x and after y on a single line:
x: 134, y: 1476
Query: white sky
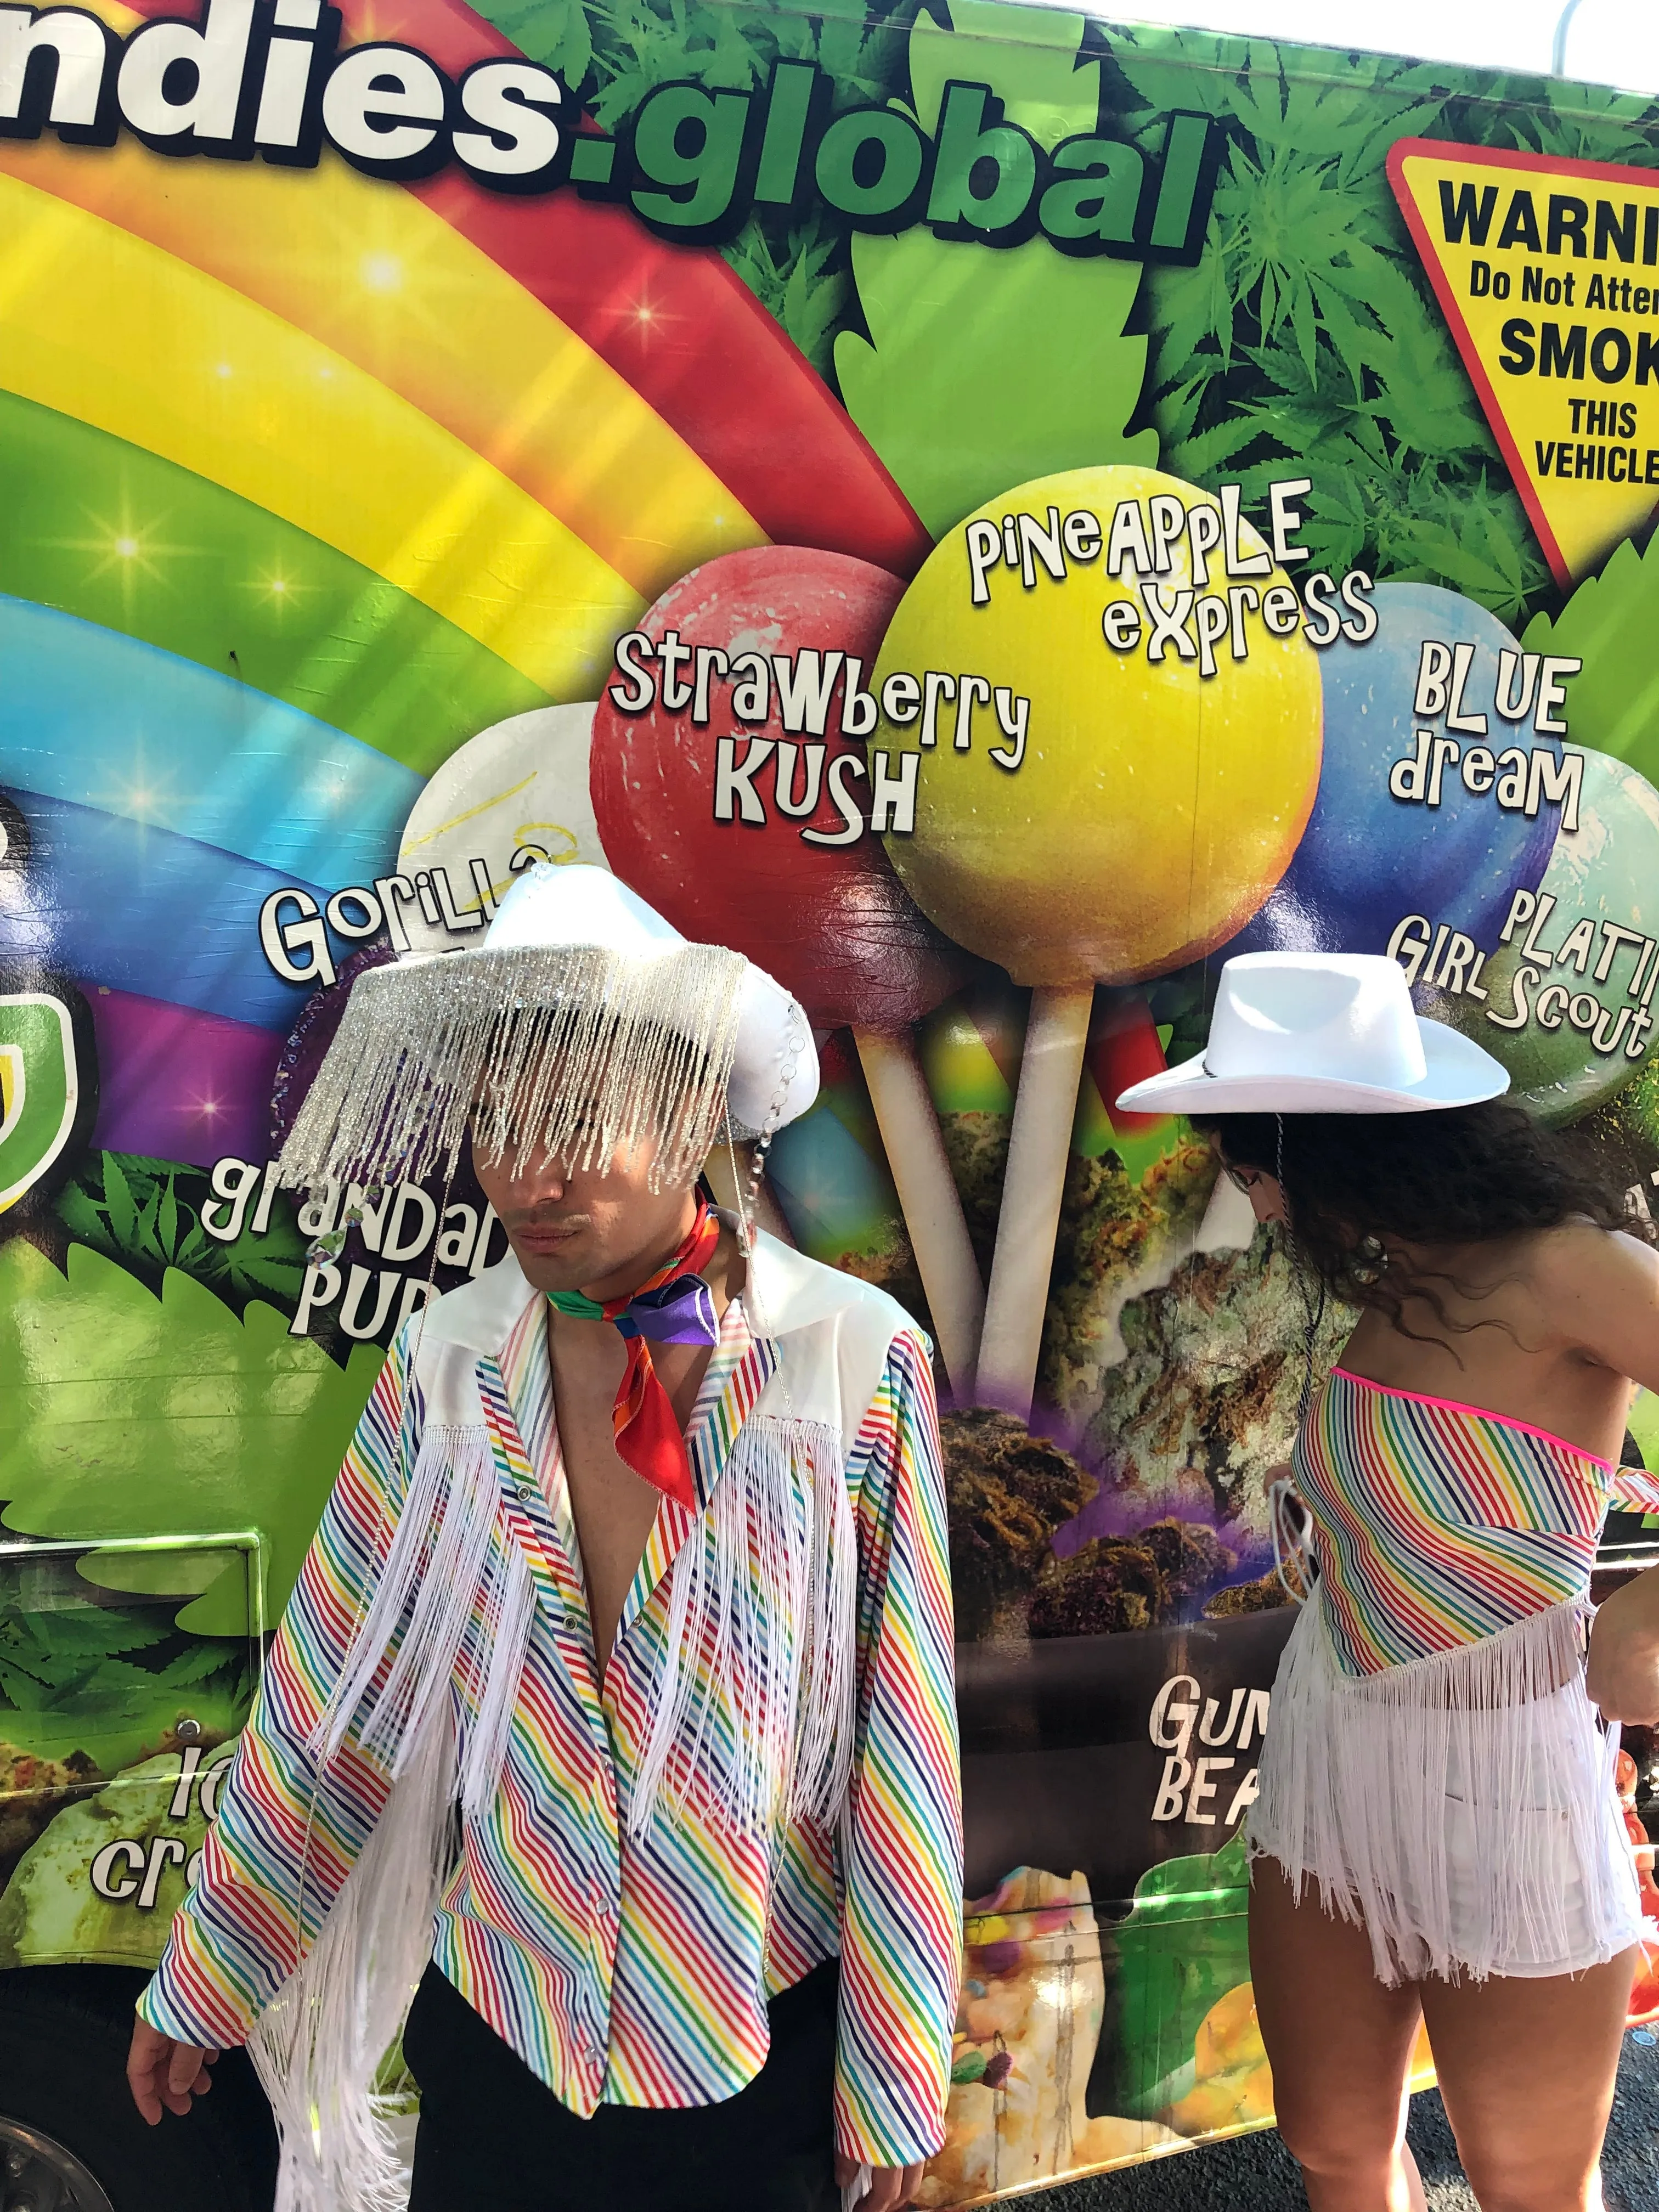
x: 1610, y: 41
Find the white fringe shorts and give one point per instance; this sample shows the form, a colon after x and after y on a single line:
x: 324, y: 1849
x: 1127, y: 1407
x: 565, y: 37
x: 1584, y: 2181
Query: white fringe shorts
x: 1460, y: 1809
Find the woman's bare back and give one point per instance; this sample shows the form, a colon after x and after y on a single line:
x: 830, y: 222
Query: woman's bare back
x: 1547, y: 1328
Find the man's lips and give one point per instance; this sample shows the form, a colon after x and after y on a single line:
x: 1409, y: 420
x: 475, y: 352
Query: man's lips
x: 547, y: 1236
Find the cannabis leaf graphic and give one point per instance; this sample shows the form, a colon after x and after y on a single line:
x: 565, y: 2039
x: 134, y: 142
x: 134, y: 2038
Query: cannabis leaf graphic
x: 1580, y: 122
x: 804, y: 282
x: 985, y: 366
x: 67, y: 1664
x: 1614, y: 702
x: 87, y: 1678
x: 147, y: 1213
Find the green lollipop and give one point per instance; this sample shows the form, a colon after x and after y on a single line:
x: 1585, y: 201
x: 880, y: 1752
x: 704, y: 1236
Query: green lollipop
x: 1569, y: 1008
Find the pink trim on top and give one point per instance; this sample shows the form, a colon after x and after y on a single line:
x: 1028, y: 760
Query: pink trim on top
x: 1480, y: 1414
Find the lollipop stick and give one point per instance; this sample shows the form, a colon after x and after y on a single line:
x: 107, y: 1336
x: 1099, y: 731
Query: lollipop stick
x: 928, y: 1195
x: 1045, y: 1106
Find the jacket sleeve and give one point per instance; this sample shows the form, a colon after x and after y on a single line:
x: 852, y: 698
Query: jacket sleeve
x: 900, y: 1847
x: 287, y: 1834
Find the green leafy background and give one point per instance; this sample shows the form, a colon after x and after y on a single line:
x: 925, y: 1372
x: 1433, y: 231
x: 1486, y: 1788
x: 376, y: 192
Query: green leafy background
x: 985, y: 366
x: 81, y: 1674
x: 131, y: 1413
x: 55, y: 1661
x: 1306, y: 341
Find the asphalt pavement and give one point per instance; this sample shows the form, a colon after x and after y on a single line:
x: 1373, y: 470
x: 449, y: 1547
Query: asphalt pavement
x: 1256, y: 2173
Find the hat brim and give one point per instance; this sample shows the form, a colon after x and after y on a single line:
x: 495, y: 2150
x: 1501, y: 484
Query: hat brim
x: 1458, y: 1073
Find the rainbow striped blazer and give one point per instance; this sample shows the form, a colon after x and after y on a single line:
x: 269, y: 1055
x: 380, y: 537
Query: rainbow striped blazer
x: 624, y: 1967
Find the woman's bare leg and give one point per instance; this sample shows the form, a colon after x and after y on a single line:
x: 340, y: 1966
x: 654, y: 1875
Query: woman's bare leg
x: 1526, y: 2068
x: 1340, y: 2044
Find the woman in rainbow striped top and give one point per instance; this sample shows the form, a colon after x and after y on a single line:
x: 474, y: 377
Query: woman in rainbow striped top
x: 1436, y: 1837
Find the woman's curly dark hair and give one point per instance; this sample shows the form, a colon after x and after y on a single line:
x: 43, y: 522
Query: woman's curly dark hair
x: 1360, y: 1186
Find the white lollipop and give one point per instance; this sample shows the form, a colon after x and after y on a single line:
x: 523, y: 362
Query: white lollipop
x: 516, y: 794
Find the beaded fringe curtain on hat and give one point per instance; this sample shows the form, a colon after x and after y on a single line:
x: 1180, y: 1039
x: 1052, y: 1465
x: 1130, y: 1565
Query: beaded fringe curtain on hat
x: 579, y: 1052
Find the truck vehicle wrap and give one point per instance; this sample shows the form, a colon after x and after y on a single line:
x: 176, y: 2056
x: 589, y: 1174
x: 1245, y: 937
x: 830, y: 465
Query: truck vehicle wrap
x: 987, y: 510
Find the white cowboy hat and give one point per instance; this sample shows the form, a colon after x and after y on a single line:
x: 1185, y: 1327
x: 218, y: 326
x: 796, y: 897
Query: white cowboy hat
x: 1320, y: 1033
x: 570, y: 905
x: 583, y: 1020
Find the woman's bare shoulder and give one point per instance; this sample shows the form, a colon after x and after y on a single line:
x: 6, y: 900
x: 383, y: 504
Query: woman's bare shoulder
x: 1532, y: 1265
x: 1599, y: 1293
x: 1580, y: 1255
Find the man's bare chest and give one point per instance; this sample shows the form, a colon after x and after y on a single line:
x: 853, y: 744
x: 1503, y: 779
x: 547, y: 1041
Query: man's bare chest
x: 613, y: 1508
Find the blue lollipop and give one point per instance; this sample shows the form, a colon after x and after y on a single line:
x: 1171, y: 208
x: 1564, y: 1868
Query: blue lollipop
x: 1368, y: 859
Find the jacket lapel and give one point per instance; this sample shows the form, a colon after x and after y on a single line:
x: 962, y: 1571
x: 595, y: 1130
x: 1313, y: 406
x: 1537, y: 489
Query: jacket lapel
x: 515, y: 1388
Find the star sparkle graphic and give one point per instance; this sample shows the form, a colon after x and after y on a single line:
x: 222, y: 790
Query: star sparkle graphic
x: 132, y: 548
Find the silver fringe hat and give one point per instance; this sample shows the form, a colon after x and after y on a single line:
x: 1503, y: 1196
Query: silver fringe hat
x: 584, y: 1023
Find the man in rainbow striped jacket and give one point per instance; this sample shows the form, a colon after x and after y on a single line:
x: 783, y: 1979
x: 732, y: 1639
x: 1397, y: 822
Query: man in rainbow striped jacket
x: 612, y: 1717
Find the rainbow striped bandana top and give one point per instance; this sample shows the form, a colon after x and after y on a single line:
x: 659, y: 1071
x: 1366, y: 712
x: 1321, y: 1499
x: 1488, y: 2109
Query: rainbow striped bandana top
x: 1437, y: 1524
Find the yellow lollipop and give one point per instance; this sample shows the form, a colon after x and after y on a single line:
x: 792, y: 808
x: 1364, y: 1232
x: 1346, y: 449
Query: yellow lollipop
x: 1117, y: 721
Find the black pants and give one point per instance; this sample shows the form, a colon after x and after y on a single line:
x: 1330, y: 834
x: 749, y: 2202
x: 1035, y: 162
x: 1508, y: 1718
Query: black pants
x: 493, y: 2135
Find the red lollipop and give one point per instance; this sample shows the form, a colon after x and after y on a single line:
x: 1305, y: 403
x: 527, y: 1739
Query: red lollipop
x: 734, y: 699
x: 832, y: 922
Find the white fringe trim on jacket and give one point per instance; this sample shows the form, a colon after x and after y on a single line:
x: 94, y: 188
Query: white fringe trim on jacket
x: 754, y: 1706
x: 753, y: 1715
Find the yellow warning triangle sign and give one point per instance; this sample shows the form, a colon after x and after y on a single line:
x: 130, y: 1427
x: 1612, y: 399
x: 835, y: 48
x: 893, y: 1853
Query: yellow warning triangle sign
x: 1548, y: 274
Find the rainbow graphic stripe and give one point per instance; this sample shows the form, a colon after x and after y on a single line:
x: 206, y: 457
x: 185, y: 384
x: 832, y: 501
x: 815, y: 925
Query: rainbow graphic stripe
x: 1436, y: 1523
x: 312, y: 478
x: 623, y: 1970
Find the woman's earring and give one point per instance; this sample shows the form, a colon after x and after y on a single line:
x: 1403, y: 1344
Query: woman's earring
x: 1374, y: 1258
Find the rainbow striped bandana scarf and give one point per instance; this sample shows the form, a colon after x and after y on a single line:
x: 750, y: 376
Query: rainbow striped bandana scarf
x: 672, y: 1306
